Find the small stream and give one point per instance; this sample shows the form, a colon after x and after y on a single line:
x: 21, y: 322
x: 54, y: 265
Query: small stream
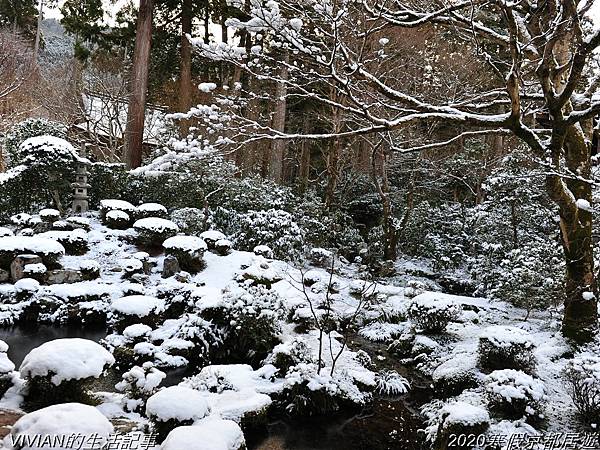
x: 388, y: 423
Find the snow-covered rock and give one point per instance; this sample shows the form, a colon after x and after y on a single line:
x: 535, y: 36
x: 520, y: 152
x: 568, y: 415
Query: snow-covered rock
x: 177, y: 403
x: 138, y: 305
x: 211, y: 433
x: 60, y: 422
x: 66, y: 359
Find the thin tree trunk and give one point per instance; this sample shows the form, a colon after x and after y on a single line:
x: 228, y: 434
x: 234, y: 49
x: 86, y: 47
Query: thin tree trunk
x: 134, y: 133
x: 333, y: 157
x: 304, y: 156
x: 185, y: 79
x: 278, y: 146
x: 38, y: 32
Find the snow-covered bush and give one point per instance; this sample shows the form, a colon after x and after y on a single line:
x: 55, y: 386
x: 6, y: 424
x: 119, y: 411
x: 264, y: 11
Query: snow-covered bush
x: 60, y: 422
x: 513, y: 394
x: 26, y: 129
x: 188, y: 250
x: 505, y: 347
x: 139, y: 384
x: 583, y: 378
x: 175, y: 406
x: 59, y: 371
x: 390, y: 382
x: 457, y: 419
x: 133, y: 309
x: 111, y: 204
x: 249, y: 319
x: 12, y: 246
x: 107, y: 180
x: 211, y: 237
x: 455, y: 375
x: 117, y: 220
x: 275, y: 228
x: 153, y: 231
x: 6, y: 369
x: 75, y: 242
x: 432, y: 312
x: 210, y: 433
x: 189, y: 220
x: 146, y: 210
x: 289, y: 354
x: 223, y: 247
x: 49, y: 215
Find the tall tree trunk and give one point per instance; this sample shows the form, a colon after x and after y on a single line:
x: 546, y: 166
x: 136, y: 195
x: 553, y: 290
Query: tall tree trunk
x: 333, y: 156
x: 304, y: 171
x: 185, y: 78
x: 383, y: 189
x: 580, y: 318
x: 38, y: 32
x: 278, y: 146
x: 134, y: 133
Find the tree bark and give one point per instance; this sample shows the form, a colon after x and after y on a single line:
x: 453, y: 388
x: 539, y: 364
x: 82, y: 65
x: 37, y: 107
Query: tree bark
x: 304, y: 171
x: 185, y: 78
x: 278, y: 146
x: 134, y: 133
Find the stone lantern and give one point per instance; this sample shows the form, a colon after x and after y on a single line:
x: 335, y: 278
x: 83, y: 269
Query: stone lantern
x: 80, y: 194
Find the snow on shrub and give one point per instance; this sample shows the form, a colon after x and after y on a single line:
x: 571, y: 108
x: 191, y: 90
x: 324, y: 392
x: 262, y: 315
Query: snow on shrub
x: 513, y: 394
x: 289, y: 354
x: 153, y: 231
x: 4, y: 232
x: 506, y: 347
x: 75, y: 242
x: 117, y: 220
x: 583, y: 378
x: 139, y: 384
x: 60, y: 370
x: 321, y: 257
x: 431, y: 312
x: 175, y: 406
x: 275, y: 228
x: 49, y: 215
x: 390, y: 382
x: 61, y: 422
x: 111, y: 204
x: 12, y: 246
x: 21, y: 219
x: 6, y: 369
x: 189, y: 220
x: 264, y: 251
x: 134, y: 309
x: 460, y: 418
x: 26, y: 129
x: 151, y: 210
x: 211, y: 237
x: 188, y: 250
x: 211, y: 433
x: 223, y: 247
x: 382, y: 331
x: 455, y: 375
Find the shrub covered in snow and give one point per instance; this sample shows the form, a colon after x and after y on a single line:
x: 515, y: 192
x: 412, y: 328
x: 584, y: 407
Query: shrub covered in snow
x: 175, y: 406
x: 6, y: 369
x: 60, y: 422
x: 223, y: 247
x: 583, y: 378
x: 108, y: 205
x: 139, y: 384
x: 75, y: 242
x: 211, y: 237
x: 153, y: 231
x: 117, y: 220
x: 460, y: 419
x: 26, y: 129
x: 432, y: 312
x: 210, y: 433
x: 189, y: 220
x: 264, y: 251
x: 455, y: 375
x: 289, y: 354
x: 513, y: 394
x: 49, y: 215
x: 151, y: 210
x: 505, y: 347
x: 188, y: 250
x: 12, y: 246
x: 59, y: 370
x: 135, y: 309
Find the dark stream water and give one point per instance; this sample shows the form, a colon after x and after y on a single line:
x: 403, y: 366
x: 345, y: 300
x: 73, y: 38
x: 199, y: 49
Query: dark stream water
x: 389, y: 423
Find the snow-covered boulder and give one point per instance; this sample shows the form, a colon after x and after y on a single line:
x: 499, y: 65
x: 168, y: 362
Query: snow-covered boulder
x: 211, y: 237
x: 151, y: 210
x: 506, y: 347
x: 176, y: 406
x: 153, y: 231
x: 12, y: 246
x: 59, y: 422
x: 211, y: 433
x: 117, y: 220
x: 431, y: 312
x: 188, y: 250
x: 60, y: 370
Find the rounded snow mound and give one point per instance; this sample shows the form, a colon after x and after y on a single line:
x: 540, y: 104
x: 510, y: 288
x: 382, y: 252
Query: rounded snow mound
x: 185, y: 244
x: 152, y: 208
x: 138, y: 305
x: 118, y: 205
x: 60, y: 421
x: 506, y: 336
x: 209, y: 434
x: 212, y: 235
x: 179, y: 403
x: 66, y: 359
x: 31, y: 244
x: 155, y: 224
